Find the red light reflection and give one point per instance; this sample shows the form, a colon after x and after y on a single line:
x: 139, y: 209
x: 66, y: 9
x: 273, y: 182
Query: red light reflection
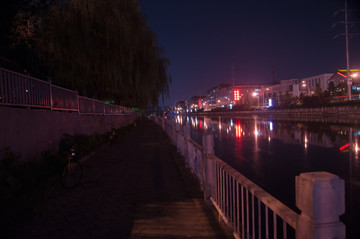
x: 237, y: 130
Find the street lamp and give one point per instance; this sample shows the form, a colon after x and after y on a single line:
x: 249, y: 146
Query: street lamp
x: 306, y: 87
x: 255, y: 94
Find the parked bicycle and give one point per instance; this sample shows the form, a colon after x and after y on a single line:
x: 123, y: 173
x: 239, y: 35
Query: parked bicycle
x: 111, y: 136
x: 72, y: 173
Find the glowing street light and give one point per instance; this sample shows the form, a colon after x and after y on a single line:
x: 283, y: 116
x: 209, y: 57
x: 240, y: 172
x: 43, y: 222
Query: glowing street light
x: 256, y: 94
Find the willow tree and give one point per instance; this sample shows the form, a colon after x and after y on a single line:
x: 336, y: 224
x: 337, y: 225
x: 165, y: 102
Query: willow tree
x: 104, y: 49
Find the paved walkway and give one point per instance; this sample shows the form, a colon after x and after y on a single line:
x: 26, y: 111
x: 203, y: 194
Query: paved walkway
x: 136, y: 188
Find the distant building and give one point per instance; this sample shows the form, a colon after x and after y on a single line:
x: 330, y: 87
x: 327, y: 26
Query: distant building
x: 340, y: 77
x: 308, y: 85
x: 268, y: 94
x: 251, y: 94
x: 226, y: 95
x: 195, y: 103
x: 216, y: 97
x: 223, y: 98
x: 181, y: 106
x: 296, y: 87
x: 339, y: 82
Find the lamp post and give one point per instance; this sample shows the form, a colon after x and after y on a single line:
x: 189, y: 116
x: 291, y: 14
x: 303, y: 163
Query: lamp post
x: 346, y: 22
x: 255, y: 94
x: 347, y: 54
x: 306, y: 86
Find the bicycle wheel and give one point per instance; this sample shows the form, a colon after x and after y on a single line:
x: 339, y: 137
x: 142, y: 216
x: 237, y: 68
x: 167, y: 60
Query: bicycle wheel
x: 71, y: 176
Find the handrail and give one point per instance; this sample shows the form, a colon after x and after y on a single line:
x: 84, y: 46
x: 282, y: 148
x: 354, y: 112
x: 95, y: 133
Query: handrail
x: 196, y: 145
x: 21, y: 74
x: 288, y: 215
x: 64, y: 89
x: 17, y: 89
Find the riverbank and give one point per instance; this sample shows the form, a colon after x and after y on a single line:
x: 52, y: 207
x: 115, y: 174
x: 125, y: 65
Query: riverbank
x: 343, y: 115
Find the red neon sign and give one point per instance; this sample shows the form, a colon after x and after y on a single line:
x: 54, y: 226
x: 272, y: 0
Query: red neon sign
x: 344, y: 147
x: 236, y: 94
x: 341, y: 74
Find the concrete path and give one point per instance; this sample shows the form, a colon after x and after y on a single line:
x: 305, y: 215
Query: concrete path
x: 136, y: 188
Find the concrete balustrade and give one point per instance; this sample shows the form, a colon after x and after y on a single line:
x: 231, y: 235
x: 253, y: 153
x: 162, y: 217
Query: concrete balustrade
x: 208, y: 169
x: 321, y: 198
x: 319, y: 195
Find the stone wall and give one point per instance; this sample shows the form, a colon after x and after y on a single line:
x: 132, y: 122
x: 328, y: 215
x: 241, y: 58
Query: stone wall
x: 31, y: 132
x: 345, y: 114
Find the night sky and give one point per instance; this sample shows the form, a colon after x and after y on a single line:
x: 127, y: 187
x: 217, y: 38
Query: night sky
x: 204, y: 38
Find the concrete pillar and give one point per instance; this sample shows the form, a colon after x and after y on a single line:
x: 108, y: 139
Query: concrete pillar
x: 174, y: 131
x: 207, y: 169
x: 163, y: 123
x: 187, y: 131
x: 321, y: 198
x: 208, y: 143
x: 180, y: 142
x: 186, y: 142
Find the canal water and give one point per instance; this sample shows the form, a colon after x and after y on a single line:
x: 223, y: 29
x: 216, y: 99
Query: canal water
x: 271, y: 153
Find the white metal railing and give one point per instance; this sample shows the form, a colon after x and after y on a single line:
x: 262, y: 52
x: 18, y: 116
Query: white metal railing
x: 250, y: 211
x: 21, y: 90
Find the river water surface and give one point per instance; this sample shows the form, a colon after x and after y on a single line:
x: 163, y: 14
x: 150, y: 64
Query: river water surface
x: 272, y: 153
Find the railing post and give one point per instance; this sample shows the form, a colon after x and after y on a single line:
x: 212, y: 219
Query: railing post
x: 187, y: 131
x: 208, y: 177
x: 51, y: 96
x: 77, y: 102
x: 174, y: 132
x: 93, y: 105
x: 321, y: 198
x: 186, y: 144
x: 177, y: 126
x: 163, y: 123
x: 179, y: 138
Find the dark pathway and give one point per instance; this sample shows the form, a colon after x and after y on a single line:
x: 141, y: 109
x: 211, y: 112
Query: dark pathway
x: 137, y: 188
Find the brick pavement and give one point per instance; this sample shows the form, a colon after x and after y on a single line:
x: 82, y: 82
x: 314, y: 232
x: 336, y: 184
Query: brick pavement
x: 136, y: 188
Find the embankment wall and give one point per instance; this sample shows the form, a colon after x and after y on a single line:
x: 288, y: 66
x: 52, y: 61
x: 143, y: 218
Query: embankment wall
x: 346, y: 115
x: 30, y: 132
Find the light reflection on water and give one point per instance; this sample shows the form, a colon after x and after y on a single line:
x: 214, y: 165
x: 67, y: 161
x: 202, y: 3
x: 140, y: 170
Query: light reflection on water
x: 272, y: 153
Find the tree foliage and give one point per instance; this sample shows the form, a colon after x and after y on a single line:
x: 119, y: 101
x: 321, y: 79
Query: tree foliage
x: 104, y: 49
x: 318, y: 91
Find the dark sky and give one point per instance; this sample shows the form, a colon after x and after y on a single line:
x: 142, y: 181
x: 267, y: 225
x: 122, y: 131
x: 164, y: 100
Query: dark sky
x: 204, y: 38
